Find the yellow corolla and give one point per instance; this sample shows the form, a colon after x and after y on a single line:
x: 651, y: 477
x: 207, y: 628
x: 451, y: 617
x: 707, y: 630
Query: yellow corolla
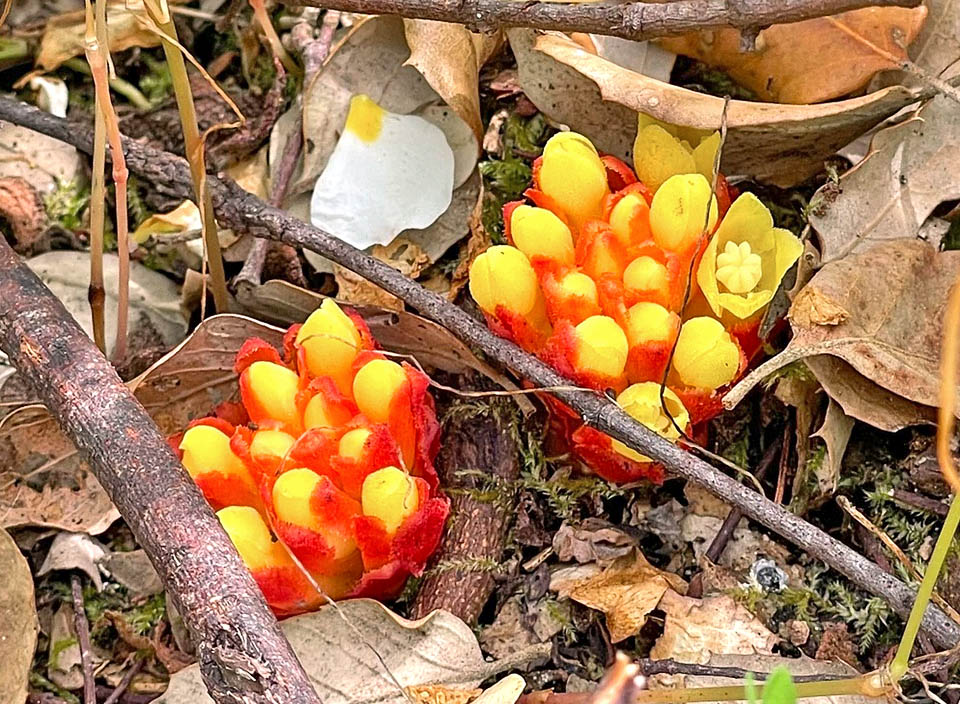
x: 661, y: 151
x: 746, y: 259
x: 642, y: 403
x: 572, y: 174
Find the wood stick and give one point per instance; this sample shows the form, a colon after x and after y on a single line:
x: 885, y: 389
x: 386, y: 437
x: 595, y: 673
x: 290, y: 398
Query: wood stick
x: 82, y: 627
x: 631, y: 20
x: 243, y: 655
x: 244, y: 212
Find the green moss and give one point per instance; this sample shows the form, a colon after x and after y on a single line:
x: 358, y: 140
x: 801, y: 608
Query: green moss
x: 65, y: 205
x: 157, y: 83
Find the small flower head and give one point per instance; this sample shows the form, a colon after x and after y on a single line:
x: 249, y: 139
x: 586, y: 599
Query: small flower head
x: 330, y: 342
x: 505, y: 286
x: 353, y: 444
x: 376, y: 386
x: 642, y: 403
x: 571, y: 296
x: 221, y: 475
x: 391, y: 495
x: 304, y: 499
x: 600, y: 252
x: 678, y: 215
x: 646, y: 275
x: 600, y: 348
x: 323, y: 412
x: 706, y: 356
x: 251, y: 537
x: 541, y: 235
x: 268, y: 448
x: 269, y: 392
x: 573, y: 175
x: 661, y: 151
x: 745, y: 261
x: 650, y: 322
x: 630, y: 219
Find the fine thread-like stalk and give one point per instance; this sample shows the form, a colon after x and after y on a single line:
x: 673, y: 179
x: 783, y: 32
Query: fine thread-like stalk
x: 263, y: 19
x: 862, y: 685
x: 193, y: 146
x: 96, y: 293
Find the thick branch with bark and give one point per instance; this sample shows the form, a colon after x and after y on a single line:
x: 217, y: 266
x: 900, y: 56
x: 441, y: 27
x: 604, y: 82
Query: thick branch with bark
x: 244, y: 212
x: 631, y: 20
x: 243, y: 655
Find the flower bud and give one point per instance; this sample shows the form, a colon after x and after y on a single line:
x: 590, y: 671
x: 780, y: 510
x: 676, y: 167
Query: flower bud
x: 572, y: 297
x: 573, y: 175
x: 661, y: 151
x: 222, y: 476
x: 642, y: 403
x: 297, y: 500
x: 540, y: 234
x: 269, y: 392
x: 252, y: 539
x: 706, y: 356
x: 600, y: 347
x: 630, y: 219
x: 330, y: 342
x: 645, y: 274
x: 678, y: 214
x: 321, y: 413
x: 600, y: 252
x: 375, y: 386
x: 503, y: 277
x: 353, y: 444
x: 391, y: 495
x: 650, y: 322
x: 270, y: 447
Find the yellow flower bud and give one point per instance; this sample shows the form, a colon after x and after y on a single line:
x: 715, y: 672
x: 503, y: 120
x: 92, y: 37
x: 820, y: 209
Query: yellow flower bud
x: 678, y: 214
x: 206, y: 449
x: 573, y: 175
x: 330, y: 343
x: 601, y: 347
x: 353, y: 444
x: 662, y: 150
x: 622, y: 217
x: 503, y: 276
x: 270, y: 391
x: 251, y: 537
x: 374, y: 387
x: 706, y: 356
x: 320, y: 413
x: 291, y: 500
x: 646, y: 274
x: 580, y: 285
x: 649, y: 322
x: 539, y: 233
x: 390, y: 495
x: 642, y: 403
x: 270, y: 446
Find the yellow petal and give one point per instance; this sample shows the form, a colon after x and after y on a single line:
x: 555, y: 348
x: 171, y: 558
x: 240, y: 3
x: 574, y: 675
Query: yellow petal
x: 320, y: 413
x: 270, y: 445
x: 601, y: 347
x: 577, y: 284
x: 390, y: 495
x: 645, y: 274
x: 706, y: 357
x: 622, y: 217
x: 658, y: 155
x: 353, y: 444
x: 678, y: 214
x: 274, y: 389
x: 573, y: 175
x: 539, y: 233
x: 705, y: 155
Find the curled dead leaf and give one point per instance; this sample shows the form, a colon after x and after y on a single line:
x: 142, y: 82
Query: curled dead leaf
x: 21, y: 207
x: 18, y: 621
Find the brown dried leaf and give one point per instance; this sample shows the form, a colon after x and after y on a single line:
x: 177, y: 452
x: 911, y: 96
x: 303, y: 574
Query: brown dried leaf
x: 783, y: 144
x: 938, y: 45
x: 811, y: 61
x: 695, y: 629
x: 593, y: 540
x: 626, y: 592
x: 18, y: 621
x: 402, y: 254
x: 21, y: 207
x: 910, y: 170
x: 835, y: 433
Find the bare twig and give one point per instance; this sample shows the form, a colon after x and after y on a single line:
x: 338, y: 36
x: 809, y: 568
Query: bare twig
x: 242, y: 653
x: 244, y: 212
x: 125, y: 682
x: 82, y: 627
x: 924, y: 503
x: 632, y: 20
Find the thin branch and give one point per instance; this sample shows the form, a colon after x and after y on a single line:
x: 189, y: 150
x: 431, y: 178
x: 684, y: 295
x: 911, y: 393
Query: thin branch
x: 633, y: 20
x: 82, y: 626
x: 125, y: 682
x: 244, y: 212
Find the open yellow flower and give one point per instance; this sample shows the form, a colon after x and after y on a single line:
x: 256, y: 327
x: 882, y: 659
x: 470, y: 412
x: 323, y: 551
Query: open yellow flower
x: 661, y: 151
x: 642, y: 403
x: 746, y: 259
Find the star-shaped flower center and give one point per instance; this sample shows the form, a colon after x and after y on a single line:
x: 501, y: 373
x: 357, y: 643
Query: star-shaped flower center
x: 739, y: 268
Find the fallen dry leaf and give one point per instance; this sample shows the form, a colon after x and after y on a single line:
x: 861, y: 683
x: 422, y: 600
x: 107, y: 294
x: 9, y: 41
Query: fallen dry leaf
x: 880, y: 311
x: 810, y: 61
x: 909, y: 171
x: 63, y: 37
x: 938, y: 44
x: 401, y: 254
x: 41, y: 161
x: 593, y: 540
x: 626, y: 592
x: 835, y: 432
x: 696, y: 629
x: 339, y: 653
x: 18, y: 621
x: 783, y: 144
x: 74, y: 551
x: 643, y: 57
x: 21, y: 207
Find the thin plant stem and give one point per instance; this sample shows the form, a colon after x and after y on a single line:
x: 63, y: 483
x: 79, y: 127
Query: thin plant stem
x: 193, y: 145
x: 96, y: 293
x: 866, y: 685
x: 263, y: 19
x: 117, y: 85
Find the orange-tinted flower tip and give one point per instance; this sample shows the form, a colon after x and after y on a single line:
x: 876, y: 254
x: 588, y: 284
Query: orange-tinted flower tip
x: 650, y: 322
x: 629, y: 219
x: 573, y: 175
x: 270, y: 446
x: 539, y: 233
x: 678, y: 214
x: 251, y: 537
x: 271, y: 392
x: 320, y: 413
x: 390, y: 495
x: 375, y: 386
x: 206, y: 449
x: 503, y: 276
x: 353, y: 444
x: 601, y: 347
x: 291, y: 500
x: 706, y: 356
x: 330, y: 342
x: 645, y: 274
x: 642, y: 403
x: 578, y: 285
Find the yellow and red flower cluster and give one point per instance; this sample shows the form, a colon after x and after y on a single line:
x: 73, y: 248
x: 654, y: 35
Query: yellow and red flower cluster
x: 595, y: 277
x: 330, y: 452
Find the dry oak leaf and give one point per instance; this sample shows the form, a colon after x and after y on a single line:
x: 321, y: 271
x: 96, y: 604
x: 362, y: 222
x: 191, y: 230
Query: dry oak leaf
x: 626, y: 592
x: 938, y: 44
x: 695, y: 629
x: 782, y: 144
x: 18, y: 621
x: 810, y: 61
x: 21, y: 207
x: 909, y: 171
